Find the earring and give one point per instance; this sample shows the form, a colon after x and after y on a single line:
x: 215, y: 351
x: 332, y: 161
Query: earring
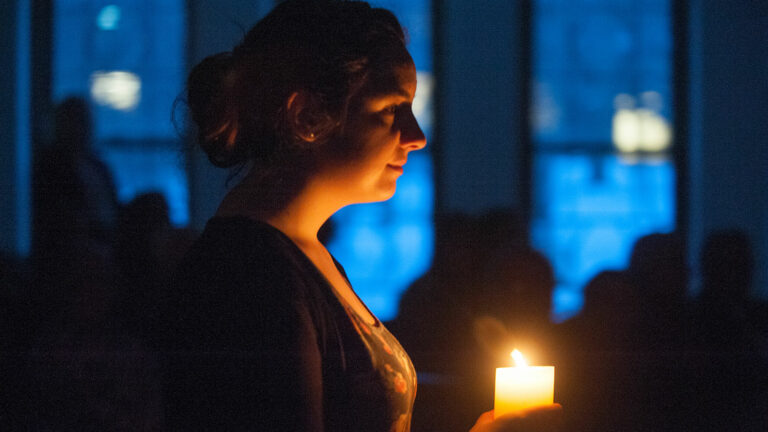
x: 311, y: 135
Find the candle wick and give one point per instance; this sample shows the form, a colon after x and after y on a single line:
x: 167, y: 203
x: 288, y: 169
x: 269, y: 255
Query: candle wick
x: 519, y: 359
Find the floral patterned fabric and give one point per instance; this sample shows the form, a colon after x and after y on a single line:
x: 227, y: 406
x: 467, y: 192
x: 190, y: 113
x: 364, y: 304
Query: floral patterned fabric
x: 393, y: 367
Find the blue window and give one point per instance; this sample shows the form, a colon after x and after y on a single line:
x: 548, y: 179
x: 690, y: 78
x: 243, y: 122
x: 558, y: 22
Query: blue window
x: 602, y: 126
x: 384, y: 247
x: 127, y: 58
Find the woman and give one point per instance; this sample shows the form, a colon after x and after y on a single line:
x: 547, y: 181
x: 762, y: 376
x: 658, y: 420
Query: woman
x: 266, y: 331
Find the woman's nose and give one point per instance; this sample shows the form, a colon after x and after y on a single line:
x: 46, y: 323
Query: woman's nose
x: 411, y: 135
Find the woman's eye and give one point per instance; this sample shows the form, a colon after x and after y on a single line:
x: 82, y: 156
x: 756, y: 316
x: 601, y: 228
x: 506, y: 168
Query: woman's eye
x: 392, y: 109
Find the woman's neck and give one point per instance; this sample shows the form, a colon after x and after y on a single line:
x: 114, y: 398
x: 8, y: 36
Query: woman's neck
x: 302, y: 218
x: 299, y: 216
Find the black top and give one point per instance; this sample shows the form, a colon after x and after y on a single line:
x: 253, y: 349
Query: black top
x: 258, y: 340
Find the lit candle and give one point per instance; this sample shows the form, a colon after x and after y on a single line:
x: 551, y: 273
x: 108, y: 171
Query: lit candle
x: 523, y: 386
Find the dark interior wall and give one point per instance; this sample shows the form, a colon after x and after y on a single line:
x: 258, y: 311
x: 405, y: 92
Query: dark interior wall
x: 729, y: 124
x: 482, y: 86
x: 15, y: 22
x: 8, y: 133
x: 214, y: 26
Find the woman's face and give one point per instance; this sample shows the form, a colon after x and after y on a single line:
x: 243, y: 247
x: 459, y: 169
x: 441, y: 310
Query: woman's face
x: 382, y: 129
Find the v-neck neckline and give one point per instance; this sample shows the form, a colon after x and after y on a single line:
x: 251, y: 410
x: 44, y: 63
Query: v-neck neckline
x: 318, y: 274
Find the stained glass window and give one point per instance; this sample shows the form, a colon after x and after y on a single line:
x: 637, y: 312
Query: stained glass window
x: 602, y: 127
x: 127, y: 58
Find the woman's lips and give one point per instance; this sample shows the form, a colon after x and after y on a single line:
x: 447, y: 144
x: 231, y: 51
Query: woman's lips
x: 398, y: 168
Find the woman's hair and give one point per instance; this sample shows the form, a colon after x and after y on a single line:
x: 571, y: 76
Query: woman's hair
x: 324, y: 49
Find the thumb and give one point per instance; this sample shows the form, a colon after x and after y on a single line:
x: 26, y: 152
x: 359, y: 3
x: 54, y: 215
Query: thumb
x: 484, y: 419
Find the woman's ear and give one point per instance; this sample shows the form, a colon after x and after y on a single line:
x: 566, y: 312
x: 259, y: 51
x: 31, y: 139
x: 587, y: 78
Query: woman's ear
x: 301, y: 108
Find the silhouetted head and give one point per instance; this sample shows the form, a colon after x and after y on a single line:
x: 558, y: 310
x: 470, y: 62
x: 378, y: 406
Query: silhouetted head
x: 280, y: 101
x: 502, y: 228
x: 658, y: 267
x: 143, y: 222
x: 609, y: 295
x: 456, y: 242
x: 727, y: 265
x: 73, y: 124
x: 147, y: 211
x: 518, y: 282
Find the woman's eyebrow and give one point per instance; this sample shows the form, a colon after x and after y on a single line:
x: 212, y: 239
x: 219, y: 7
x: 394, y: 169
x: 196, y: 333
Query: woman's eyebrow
x: 390, y: 93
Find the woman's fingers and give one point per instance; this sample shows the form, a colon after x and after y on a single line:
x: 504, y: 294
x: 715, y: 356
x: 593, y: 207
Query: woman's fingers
x: 484, y: 419
x: 545, y: 418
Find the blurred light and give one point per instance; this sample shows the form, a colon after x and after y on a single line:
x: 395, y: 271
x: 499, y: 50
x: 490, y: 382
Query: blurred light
x: 652, y: 100
x: 626, y: 131
x: 119, y: 90
x: 109, y: 17
x: 640, y: 129
x: 545, y: 113
x: 623, y: 101
x: 654, y: 131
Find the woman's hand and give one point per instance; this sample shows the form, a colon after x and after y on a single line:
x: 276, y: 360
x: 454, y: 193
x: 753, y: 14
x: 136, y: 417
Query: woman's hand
x: 546, y: 418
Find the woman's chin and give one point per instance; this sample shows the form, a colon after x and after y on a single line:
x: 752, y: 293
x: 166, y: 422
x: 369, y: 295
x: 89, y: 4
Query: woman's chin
x: 382, y: 194
x: 389, y: 192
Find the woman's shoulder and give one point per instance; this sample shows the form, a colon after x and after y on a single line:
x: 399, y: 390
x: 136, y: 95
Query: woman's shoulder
x: 237, y: 240
x: 240, y: 251
x: 238, y: 275
x: 240, y: 230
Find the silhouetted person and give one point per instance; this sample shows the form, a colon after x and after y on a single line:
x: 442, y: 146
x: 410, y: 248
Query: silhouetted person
x: 658, y: 269
x: 479, y: 269
x: 74, y: 193
x: 15, y: 308
x: 16, y: 325
x: 85, y: 373
x: 609, y: 318
x: 143, y: 229
x: 75, y: 205
x: 730, y: 383
x: 598, y: 376
x: 434, y: 310
x: 724, y: 306
x: 485, y: 292
x: 619, y: 362
x: 517, y: 289
x: 502, y: 228
x: 435, y: 325
x: 514, y: 287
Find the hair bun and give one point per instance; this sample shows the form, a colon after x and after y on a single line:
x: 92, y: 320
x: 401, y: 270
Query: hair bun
x: 213, y: 108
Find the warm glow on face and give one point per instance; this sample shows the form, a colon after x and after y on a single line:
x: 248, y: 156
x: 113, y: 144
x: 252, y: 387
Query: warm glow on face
x: 519, y: 359
x: 382, y: 126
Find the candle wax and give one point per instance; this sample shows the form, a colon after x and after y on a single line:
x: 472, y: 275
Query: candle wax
x: 522, y: 387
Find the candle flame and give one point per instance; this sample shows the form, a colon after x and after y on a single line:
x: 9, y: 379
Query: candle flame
x: 519, y: 359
